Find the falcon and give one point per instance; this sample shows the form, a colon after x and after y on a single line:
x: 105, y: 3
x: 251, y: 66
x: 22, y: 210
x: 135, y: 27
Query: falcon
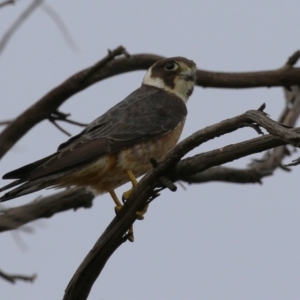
x: 116, y: 147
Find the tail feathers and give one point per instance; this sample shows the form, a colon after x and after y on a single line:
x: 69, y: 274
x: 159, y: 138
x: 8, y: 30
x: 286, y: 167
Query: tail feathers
x: 12, y: 184
x: 24, y: 172
x: 24, y: 189
x: 22, y: 176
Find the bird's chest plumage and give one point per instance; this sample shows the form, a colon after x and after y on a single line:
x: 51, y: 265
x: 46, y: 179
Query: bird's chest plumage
x: 111, y: 168
x: 137, y: 158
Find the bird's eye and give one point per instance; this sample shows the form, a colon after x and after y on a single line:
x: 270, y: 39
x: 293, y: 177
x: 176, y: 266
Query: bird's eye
x: 171, y: 66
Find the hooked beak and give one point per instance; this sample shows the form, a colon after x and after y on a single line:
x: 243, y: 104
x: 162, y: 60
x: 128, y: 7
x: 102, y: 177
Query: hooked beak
x: 188, y: 74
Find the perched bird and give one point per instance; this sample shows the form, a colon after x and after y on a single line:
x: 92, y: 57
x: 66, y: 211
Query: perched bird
x: 117, y: 147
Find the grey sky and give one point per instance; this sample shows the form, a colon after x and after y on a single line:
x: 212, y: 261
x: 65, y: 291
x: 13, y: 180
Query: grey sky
x: 212, y: 241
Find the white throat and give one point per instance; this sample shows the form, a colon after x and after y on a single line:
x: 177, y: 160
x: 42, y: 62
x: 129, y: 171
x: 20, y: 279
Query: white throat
x: 182, y: 87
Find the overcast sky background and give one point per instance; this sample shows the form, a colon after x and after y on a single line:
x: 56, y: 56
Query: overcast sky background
x: 211, y: 241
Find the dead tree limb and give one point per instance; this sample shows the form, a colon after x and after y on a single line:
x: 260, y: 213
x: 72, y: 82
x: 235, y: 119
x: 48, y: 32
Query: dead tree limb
x: 172, y: 168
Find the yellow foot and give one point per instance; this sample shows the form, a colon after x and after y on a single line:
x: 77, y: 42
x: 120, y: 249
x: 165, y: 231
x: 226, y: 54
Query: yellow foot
x: 126, y: 195
x: 139, y: 214
x: 132, y: 177
x: 117, y: 202
x: 118, y: 207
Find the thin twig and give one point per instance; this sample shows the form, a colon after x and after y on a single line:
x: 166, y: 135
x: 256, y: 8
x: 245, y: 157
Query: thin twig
x: 59, y: 127
x: 292, y: 60
x: 9, y: 33
x: 6, y: 3
x: 60, y: 116
x: 12, y: 278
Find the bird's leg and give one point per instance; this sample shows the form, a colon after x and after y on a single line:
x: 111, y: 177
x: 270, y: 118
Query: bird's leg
x: 117, y: 209
x: 116, y: 200
x: 125, y: 196
x: 134, y: 183
x: 140, y: 214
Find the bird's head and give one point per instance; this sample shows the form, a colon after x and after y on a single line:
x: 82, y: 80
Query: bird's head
x: 175, y: 75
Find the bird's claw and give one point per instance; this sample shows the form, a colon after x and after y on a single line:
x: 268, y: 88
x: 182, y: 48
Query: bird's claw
x: 126, y: 195
x: 130, y: 236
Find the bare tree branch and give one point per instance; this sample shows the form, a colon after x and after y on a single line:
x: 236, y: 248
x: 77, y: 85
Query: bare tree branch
x: 12, y: 278
x: 285, y: 76
x: 28, y: 11
x: 45, y: 208
x: 171, y: 167
x: 226, y: 174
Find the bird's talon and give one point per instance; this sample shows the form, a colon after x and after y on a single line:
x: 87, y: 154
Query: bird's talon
x: 126, y: 195
x: 130, y: 236
x: 140, y: 215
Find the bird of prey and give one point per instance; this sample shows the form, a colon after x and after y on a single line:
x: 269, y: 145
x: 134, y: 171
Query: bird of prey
x: 117, y: 147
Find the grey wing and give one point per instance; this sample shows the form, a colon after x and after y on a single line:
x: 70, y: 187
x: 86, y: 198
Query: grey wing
x: 146, y: 113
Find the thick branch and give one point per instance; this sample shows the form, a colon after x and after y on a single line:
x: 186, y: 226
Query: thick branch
x: 44, y: 208
x: 285, y: 76
x: 279, y: 77
x: 115, y: 234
